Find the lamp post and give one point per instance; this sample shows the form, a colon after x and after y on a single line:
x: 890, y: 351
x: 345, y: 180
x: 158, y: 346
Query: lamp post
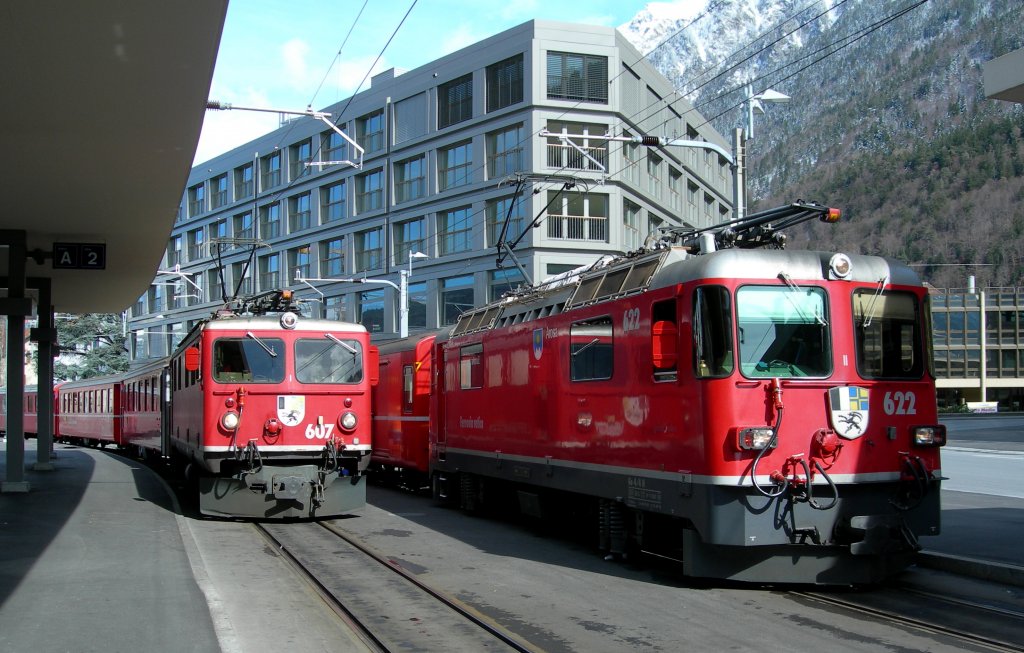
x: 751, y: 103
x: 403, y: 295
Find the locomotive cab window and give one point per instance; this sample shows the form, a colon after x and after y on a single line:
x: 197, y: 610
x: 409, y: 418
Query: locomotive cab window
x: 887, y: 326
x: 664, y: 340
x: 328, y: 360
x: 783, y: 332
x: 591, y: 350
x: 712, y: 332
x: 248, y: 360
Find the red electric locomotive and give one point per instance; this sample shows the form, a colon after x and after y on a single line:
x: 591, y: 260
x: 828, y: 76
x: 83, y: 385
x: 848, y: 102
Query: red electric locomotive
x: 273, y: 411
x: 763, y: 415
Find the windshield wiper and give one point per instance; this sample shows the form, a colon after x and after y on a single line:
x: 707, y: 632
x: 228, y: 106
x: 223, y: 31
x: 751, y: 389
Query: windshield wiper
x: 341, y: 343
x: 788, y: 280
x: 869, y: 314
x: 267, y: 348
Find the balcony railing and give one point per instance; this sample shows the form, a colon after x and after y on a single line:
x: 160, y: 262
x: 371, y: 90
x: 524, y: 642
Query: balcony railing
x: 566, y: 156
x: 578, y: 227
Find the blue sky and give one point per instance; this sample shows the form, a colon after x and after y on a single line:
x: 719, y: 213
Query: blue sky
x: 284, y: 55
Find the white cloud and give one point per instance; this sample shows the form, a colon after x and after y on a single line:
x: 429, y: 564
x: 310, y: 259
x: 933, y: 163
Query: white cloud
x: 294, y: 54
x: 459, y: 38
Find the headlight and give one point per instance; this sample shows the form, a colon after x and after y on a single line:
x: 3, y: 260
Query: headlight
x: 755, y: 438
x: 229, y: 421
x: 347, y: 421
x: 929, y: 436
x: 289, y: 320
x: 840, y: 266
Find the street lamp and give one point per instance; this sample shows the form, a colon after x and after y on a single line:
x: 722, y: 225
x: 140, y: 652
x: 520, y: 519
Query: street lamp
x: 751, y: 103
x: 403, y: 295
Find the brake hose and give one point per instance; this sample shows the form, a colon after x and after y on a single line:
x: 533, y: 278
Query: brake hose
x: 810, y: 487
x: 782, y: 486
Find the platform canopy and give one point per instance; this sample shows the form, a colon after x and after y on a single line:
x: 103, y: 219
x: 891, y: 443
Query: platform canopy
x: 103, y: 102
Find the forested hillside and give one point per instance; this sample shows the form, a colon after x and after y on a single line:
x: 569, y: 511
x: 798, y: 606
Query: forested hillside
x: 888, y: 120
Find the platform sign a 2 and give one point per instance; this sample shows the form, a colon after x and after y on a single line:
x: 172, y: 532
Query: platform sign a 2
x: 79, y: 256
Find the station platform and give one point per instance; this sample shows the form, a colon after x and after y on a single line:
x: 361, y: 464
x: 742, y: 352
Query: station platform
x: 97, y: 556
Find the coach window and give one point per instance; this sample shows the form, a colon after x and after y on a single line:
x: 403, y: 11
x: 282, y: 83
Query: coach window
x: 471, y: 367
x: 888, y: 330
x: 591, y: 350
x: 783, y: 331
x: 328, y: 360
x: 250, y: 360
x: 712, y: 331
x: 408, y: 389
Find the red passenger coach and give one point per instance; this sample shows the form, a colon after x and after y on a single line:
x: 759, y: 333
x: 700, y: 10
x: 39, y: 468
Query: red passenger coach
x: 401, y: 408
x: 760, y: 414
x: 143, y: 390
x: 88, y: 411
x: 273, y: 411
x: 30, y: 425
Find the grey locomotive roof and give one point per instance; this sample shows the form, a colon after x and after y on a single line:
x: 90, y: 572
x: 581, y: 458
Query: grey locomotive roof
x: 611, y: 278
x: 274, y: 322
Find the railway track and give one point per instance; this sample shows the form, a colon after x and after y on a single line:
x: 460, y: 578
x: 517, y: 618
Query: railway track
x: 387, y: 606
x: 975, y: 625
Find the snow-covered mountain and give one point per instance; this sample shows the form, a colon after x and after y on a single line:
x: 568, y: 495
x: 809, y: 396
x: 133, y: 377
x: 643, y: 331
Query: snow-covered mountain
x: 888, y: 115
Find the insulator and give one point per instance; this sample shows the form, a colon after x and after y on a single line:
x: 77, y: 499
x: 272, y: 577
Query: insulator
x: 650, y: 141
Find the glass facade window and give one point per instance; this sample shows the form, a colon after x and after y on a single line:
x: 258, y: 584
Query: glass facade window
x: 456, y: 297
x: 332, y: 203
x: 196, y: 199
x: 243, y: 182
x: 455, y: 101
x: 270, y: 272
x: 418, y: 305
x: 630, y: 226
x: 332, y: 258
x: 195, y: 244
x: 497, y: 210
x: 369, y: 250
x: 370, y: 131
x: 241, y: 278
x: 243, y: 225
x: 300, y: 264
x: 333, y: 146
x: 174, y: 251
x: 654, y: 174
x: 270, y: 221
x: 219, y: 191
x: 455, y: 166
x: 299, y: 213
x: 408, y: 238
x: 410, y: 179
x: 504, y: 83
x: 454, y: 231
x: 578, y: 77
x: 334, y: 308
x: 270, y: 171
x: 505, y: 152
x: 298, y: 156
x: 503, y: 281
x: 370, y: 191
x: 371, y: 310
x: 218, y: 230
